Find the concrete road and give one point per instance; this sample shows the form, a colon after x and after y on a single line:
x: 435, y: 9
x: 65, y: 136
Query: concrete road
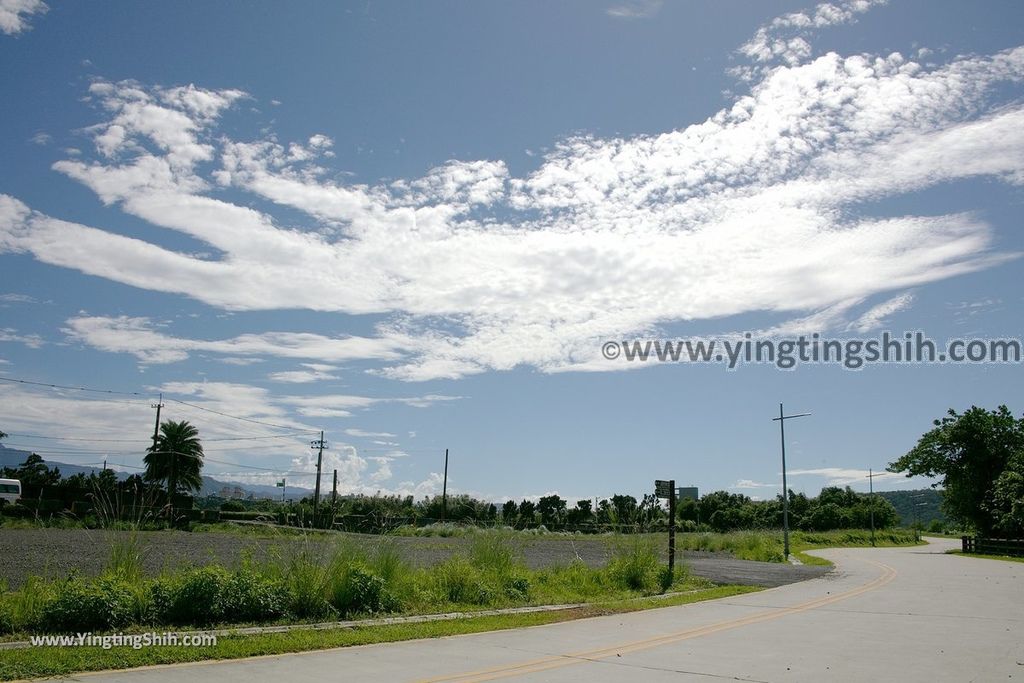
x: 906, y: 614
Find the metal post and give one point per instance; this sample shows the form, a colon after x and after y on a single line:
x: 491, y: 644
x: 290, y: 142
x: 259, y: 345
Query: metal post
x: 672, y: 530
x: 785, y: 486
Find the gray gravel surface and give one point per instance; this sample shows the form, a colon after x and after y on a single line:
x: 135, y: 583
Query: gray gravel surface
x: 55, y: 553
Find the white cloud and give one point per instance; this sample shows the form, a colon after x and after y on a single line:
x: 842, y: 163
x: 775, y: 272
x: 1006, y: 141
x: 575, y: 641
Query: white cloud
x: 751, y: 484
x: 877, y: 316
x: 756, y: 209
x: 140, y: 337
x: 362, y: 433
x: 635, y: 9
x: 15, y: 14
x: 839, y: 476
x: 14, y: 298
x: 314, y: 372
x: 9, y: 334
x: 785, y: 38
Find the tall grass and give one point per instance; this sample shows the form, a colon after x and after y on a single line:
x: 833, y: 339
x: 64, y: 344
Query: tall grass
x: 767, y: 546
x: 314, y: 582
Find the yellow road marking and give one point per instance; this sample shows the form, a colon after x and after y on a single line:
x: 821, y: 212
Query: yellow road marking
x: 557, y: 661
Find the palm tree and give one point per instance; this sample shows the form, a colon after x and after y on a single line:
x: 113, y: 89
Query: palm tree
x: 176, y: 458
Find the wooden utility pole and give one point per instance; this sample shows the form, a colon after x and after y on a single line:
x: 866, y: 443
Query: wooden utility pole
x: 319, y: 446
x: 334, y: 493
x: 444, y: 489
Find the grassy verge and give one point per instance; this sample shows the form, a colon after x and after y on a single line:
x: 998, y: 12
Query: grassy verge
x: 1005, y: 558
x: 325, y: 582
x: 55, y: 661
x: 767, y: 546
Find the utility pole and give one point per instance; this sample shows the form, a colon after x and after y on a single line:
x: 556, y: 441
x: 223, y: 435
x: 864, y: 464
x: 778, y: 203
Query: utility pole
x: 444, y: 489
x: 785, y: 487
x: 319, y: 446
x: 171, y: 483
x: 334, y: 493
x: 156, y: 429
x: 871, y: 490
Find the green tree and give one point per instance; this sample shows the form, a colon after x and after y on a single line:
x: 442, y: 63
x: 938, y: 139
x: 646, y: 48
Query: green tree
x: 552, y: 510
x: 33, y: 472
x: 1006, y: 505
x: 509, y: 512
x: 527, y: 508
x: 970, y: 451
x: 176, y: 458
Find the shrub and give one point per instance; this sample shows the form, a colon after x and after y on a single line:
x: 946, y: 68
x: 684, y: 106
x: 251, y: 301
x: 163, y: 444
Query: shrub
x: 247, y: 596
x: 518, y: 588
x: 81, y: 605
x: 358, y: 590
x: 635, y: 565
x: 459, y: 581
x: 195, y: 597
x: 232, y: 506
x: 6, y: 616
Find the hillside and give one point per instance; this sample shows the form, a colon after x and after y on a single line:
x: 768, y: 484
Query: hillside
x: 921, y: 504
x: 12, y: 457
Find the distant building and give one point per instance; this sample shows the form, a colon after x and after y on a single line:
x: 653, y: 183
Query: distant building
x: 684, y: 492
x: 234, y: 492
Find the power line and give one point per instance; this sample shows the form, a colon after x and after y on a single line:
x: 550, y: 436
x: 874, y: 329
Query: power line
x: 64, y: 386
x: 75, y: 438
x: 136, y: 393
x: 236, y: 417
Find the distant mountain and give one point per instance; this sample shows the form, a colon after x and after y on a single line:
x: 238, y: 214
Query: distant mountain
x: 920, y: 505
x: 12, y: 457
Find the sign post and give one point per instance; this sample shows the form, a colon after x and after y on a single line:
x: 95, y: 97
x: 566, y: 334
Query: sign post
x: 667, y: 489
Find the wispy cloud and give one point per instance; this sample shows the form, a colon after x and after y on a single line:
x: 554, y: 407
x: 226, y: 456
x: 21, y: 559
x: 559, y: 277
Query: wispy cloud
x: 15, y: 14
x: 361, y: 433
x: 9, y: 334
x: 751, y: 484
x: 635, y: 9
x: 757, y: 209
x: 142, y: 338
x: 839, y: 476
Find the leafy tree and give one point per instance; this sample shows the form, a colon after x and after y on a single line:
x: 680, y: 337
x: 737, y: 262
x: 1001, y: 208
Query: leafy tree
x: 527, y: 510
x: 625, y: 508
x: 581, y: 515
x: 552, y: 510
x: 33, y: 472
x: 971, y: 451
x: 509, y: 512
x: 1006, y: 505
x: 176, y: 458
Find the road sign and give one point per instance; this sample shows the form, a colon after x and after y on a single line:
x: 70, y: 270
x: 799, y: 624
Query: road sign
x: 663, y: 488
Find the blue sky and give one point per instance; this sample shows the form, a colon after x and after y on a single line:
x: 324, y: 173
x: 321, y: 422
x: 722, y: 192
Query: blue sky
x: 413, y: 225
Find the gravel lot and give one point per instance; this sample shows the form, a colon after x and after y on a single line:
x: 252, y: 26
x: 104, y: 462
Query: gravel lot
x: 57, y: 552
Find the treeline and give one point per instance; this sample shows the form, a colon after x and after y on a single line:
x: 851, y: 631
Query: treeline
x: 833, y: 508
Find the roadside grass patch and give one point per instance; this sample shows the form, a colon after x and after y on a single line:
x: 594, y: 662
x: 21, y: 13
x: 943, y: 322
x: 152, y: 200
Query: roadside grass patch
x: 1005, y: 558
x: 40, y: 662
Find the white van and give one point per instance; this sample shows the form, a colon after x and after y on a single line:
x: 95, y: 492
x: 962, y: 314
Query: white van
x: 10, y: 490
